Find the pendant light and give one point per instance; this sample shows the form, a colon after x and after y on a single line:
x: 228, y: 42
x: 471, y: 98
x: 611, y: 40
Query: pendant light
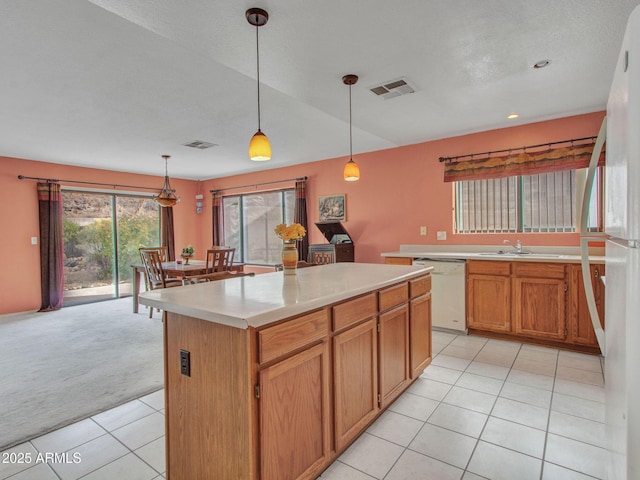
x: 259, y: 147
x: 351, y: 169
x: 167, y: 196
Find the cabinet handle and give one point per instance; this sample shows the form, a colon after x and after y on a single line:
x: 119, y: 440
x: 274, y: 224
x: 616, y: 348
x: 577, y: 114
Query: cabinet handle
x: 566, y: 287
x: 256, y: 390
x: 596, y: 273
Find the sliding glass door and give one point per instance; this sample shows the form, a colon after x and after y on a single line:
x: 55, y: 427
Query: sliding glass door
x: 102, y: 234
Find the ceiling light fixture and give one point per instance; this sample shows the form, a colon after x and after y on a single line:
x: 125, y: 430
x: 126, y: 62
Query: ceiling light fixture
x: 351, y: 169
x: 259, y: 147
x: 512, y: 116
x: 542, y: 64
x: 167, y: 196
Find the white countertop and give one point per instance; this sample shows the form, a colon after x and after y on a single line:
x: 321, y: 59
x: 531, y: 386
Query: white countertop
x: 257, y: 301
x: 490, y: 252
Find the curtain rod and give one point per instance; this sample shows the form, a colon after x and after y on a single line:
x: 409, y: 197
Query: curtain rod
x: 114, y: 185
x: 257, y: 184
x: 509, y: 150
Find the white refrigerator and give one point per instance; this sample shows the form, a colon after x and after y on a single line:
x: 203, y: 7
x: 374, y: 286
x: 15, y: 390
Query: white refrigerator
x: 622, y: 297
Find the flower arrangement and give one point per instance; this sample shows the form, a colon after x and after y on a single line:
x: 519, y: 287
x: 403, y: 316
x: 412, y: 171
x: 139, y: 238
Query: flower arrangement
x: 295, y: 231
x: 187, y: 251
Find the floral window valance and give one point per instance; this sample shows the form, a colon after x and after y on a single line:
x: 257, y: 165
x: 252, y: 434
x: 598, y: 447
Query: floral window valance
x: 526, y: 162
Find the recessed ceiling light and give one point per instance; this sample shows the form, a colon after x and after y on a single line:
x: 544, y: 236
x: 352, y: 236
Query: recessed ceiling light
x: 513, y: 115
x: 542, y: 64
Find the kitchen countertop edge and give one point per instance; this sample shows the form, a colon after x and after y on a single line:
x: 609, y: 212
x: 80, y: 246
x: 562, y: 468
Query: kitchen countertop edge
x: 539, y: 257
x: 261, y: 300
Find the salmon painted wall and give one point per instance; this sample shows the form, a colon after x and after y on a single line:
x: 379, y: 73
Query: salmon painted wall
x: 402, y: 188
x: 20, y: 273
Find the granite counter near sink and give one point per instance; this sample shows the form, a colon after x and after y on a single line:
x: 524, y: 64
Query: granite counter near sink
x: 555, y: 254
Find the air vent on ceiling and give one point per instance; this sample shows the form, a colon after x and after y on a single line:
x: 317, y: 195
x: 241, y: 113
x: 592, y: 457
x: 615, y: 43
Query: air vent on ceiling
x: 393, y: 88
x: 200, y: 145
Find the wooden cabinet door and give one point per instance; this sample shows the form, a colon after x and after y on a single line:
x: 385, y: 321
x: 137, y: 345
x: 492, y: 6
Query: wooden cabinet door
x: 489, y: 302
x: 540, y: 307
x: 420, y: 330
x: 355, y: 376
x: 393, y: 347
x: 294, y: 416
x: 581, y: 329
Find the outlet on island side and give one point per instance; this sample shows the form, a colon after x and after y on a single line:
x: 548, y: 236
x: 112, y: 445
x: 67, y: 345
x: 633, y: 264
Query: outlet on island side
x: 442, y: 235
x: 423, y: 231
x: 185, y: 363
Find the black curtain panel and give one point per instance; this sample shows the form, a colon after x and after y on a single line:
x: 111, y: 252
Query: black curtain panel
x: 166, y: 232
x: 51, y: 246
x: 217, y: 216
x: 300, y: 216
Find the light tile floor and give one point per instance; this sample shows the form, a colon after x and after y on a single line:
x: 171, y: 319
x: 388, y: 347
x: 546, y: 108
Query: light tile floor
x: 483, y: 409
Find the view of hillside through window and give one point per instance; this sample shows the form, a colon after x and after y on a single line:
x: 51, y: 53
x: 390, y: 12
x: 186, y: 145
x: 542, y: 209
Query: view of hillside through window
x: 249, y: 223
x: 102, y: 235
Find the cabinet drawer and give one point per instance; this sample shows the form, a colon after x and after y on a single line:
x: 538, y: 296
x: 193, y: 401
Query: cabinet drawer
x: 293, y: 334
x: 353, y: 311
x: 420, y: 286
x: 392, y: 296
x: 488, y: 267
x: 541, y: 270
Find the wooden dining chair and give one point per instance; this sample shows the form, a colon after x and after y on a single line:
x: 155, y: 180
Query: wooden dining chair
x: 219, y: 259
x: 212, y: 277
x: 155, y: 276
x: 164, y: 257
x: 321, y: 258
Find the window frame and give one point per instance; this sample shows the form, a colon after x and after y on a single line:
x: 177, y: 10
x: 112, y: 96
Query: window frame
x: 520, y: 205
x: 242, y: 248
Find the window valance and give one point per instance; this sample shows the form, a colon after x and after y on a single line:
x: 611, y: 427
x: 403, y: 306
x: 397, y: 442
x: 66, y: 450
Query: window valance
x: 527, y: 162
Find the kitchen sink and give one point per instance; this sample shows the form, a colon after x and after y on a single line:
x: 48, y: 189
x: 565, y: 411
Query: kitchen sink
x: 522, y: 254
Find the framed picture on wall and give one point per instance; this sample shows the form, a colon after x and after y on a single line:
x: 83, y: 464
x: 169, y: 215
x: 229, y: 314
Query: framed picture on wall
x: 331, y: 207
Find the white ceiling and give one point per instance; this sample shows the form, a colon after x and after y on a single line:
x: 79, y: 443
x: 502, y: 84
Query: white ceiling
x: 117, y: 83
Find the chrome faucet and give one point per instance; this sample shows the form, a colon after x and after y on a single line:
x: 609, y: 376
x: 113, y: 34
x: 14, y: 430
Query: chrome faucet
x: 517, y: 246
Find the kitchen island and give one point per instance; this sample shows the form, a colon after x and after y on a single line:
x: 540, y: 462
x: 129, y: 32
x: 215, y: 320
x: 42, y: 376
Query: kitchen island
x: 273, y: 376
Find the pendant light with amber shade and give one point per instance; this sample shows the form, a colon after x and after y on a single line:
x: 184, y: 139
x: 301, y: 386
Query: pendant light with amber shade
x: 351, y: 169
x: 259, y: 147
x: 167, y: 196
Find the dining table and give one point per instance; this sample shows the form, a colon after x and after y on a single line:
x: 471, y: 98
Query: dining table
x: 171, y: 269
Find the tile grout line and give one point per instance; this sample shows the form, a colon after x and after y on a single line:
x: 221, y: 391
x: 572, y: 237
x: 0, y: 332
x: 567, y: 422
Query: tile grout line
x: 405, y: 448
x: 466, y: 469
x: 546, y: 433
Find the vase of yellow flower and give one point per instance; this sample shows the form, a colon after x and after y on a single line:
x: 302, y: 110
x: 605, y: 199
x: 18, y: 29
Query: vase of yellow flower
x: 290, y: 234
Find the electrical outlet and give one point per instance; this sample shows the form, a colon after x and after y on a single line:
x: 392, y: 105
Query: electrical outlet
x: 34, y: 240
x: 423, y: 231
x: 185, y: 363
x: 442, y: 235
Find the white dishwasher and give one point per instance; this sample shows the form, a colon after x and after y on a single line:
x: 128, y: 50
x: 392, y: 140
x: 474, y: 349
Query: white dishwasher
x: 447, y: 293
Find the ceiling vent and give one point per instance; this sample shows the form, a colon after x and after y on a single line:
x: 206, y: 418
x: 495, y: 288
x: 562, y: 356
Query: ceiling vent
x: 393, y: 88
x: 200, y: 145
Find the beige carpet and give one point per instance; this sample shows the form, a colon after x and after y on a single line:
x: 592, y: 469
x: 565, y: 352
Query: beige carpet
x: 59, y: 367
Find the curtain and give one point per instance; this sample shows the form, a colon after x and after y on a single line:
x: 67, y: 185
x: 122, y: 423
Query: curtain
x: 525, y: 163
x: 166, y: 232
x: 51, y: 246
x: 217, y: 217
x: 300, y: 216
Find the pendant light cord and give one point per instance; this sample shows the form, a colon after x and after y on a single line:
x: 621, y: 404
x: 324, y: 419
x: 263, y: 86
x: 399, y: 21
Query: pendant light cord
x: 258, y: 70
x: 350, y: 133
